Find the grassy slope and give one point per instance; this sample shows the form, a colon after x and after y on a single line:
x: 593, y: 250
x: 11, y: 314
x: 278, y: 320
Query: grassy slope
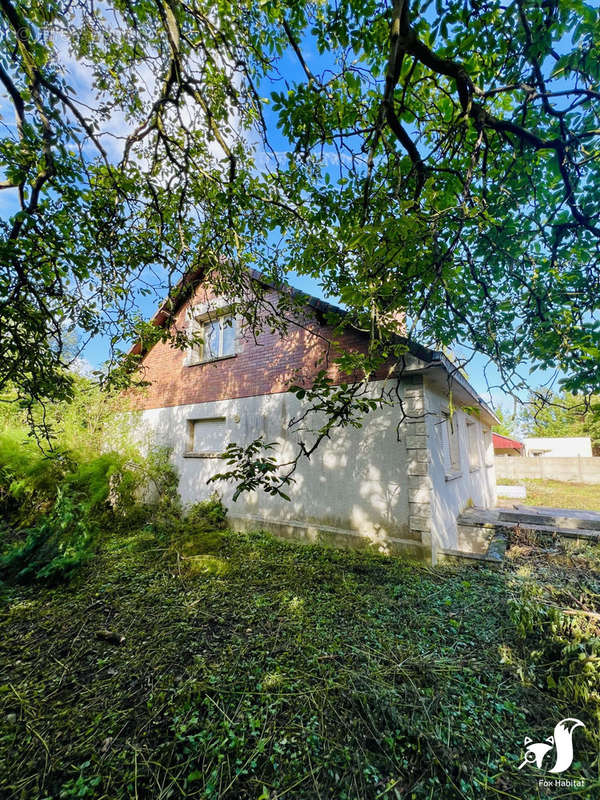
x: 563, y: 495
x: 555, y: 494
x: 262, y: 669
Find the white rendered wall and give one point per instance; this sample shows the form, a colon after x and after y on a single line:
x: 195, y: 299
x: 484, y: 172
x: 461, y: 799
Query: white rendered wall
x: 452, y: 492
x: 555, y: 447
x: 353, y: 485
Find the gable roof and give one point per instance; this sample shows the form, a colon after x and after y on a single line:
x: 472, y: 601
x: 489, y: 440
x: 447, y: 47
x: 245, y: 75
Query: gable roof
x: 505, y: 442
x: 431, y: 360
x: 184, y: 289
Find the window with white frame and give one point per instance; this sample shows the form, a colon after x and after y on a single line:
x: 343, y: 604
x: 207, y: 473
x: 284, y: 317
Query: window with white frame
x: 452, y: 443
x: 216, y: 338
x: 473, y: 443
x: 206, y: 437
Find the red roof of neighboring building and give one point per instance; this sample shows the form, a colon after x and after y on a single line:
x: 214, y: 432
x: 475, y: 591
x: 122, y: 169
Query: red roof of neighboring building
x: 505, y: 443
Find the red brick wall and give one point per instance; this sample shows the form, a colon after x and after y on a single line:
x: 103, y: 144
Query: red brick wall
x: 264, y: 366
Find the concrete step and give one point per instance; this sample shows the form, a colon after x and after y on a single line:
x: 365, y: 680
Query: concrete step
x: 478, y: 521
x: 473, y: 522
x: 460, y: 556
x: 469, y: 529
x: 527, y: 518
x: 571, y: 533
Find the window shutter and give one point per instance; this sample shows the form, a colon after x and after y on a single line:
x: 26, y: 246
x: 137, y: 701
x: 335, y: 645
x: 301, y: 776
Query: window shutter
x: 209, y: 435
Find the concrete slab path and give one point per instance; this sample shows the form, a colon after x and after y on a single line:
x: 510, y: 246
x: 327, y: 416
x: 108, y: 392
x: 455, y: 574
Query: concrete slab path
x: 563, y: 521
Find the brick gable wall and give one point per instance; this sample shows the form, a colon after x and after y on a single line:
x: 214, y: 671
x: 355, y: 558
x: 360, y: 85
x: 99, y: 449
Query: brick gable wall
x: 266, y: 365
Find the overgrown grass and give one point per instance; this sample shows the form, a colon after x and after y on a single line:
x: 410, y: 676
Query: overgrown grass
x: 57, y: 495
x: 254, y: 668
x: 558, y: 494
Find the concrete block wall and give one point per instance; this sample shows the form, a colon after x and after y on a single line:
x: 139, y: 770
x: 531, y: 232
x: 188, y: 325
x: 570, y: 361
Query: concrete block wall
x: 572, y: 470
x: 453, y: 491
x: 354, y: 490
x: 383, y: 485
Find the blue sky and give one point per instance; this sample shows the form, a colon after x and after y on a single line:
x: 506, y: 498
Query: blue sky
x: 481, y: 373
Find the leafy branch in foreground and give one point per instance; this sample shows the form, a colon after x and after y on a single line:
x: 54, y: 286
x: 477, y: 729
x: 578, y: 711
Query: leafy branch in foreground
x: 458, y: 182
x: 331, y: 406
x: 442, y: 163
x: 251, y: 471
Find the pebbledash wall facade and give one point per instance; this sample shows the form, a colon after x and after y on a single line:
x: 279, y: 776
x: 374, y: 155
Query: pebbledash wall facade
x: 397, y: 483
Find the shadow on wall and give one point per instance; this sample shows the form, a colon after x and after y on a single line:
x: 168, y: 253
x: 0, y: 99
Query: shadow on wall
x: 354, y: 482
x: 262, y: 365
x: 469, y: 486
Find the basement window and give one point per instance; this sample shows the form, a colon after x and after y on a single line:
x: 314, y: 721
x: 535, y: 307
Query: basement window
x: 206, y: 438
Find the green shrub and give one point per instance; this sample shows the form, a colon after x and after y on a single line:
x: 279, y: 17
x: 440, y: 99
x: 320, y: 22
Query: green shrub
x: 28, y: 476
x: 54, y: 548
x: 210, y: 514
x: 97, y: 494
x: 55, y: 502
x: 196, y: 532
x: 91, y: 480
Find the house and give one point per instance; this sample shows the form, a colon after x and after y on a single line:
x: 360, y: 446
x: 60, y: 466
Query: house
x: 505, y: 446
x: 397, y: 483
x: 558, y: 447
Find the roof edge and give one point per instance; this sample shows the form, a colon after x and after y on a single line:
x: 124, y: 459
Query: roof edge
x: 184, y: 287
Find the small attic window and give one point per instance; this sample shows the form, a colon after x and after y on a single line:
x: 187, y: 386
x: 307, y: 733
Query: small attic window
x: 218, y: 336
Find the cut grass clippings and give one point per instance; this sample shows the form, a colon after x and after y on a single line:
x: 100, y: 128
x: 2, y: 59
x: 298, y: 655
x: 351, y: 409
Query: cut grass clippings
x: 259, y: 669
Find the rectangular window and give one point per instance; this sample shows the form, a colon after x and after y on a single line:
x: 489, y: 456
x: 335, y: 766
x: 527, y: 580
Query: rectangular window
x: 206, y: 437
x: 218, y: 337
x: 488, y: 448
x: 453, y: 453
x: 472, y: 440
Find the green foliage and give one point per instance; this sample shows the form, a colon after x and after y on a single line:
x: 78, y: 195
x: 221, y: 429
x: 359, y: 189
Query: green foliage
x: 252, y: 467
x: 562, y: 651
x: 195, y: 534
x: 96, y: 493
x: 415, y: 154
x: 27, y: 477
x: 81, y: 786
x: 209, y: 514
x: 54, y: 548
x: 91, y: 481
x: 57, y: 503
x: 31, y: 468
x: 508, y: 423
x: 564, y: 414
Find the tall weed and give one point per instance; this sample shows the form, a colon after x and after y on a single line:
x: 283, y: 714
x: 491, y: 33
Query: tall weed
x: 56, y: 497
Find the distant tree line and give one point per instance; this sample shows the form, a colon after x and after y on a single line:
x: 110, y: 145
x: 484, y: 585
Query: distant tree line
x: 549, y: 413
